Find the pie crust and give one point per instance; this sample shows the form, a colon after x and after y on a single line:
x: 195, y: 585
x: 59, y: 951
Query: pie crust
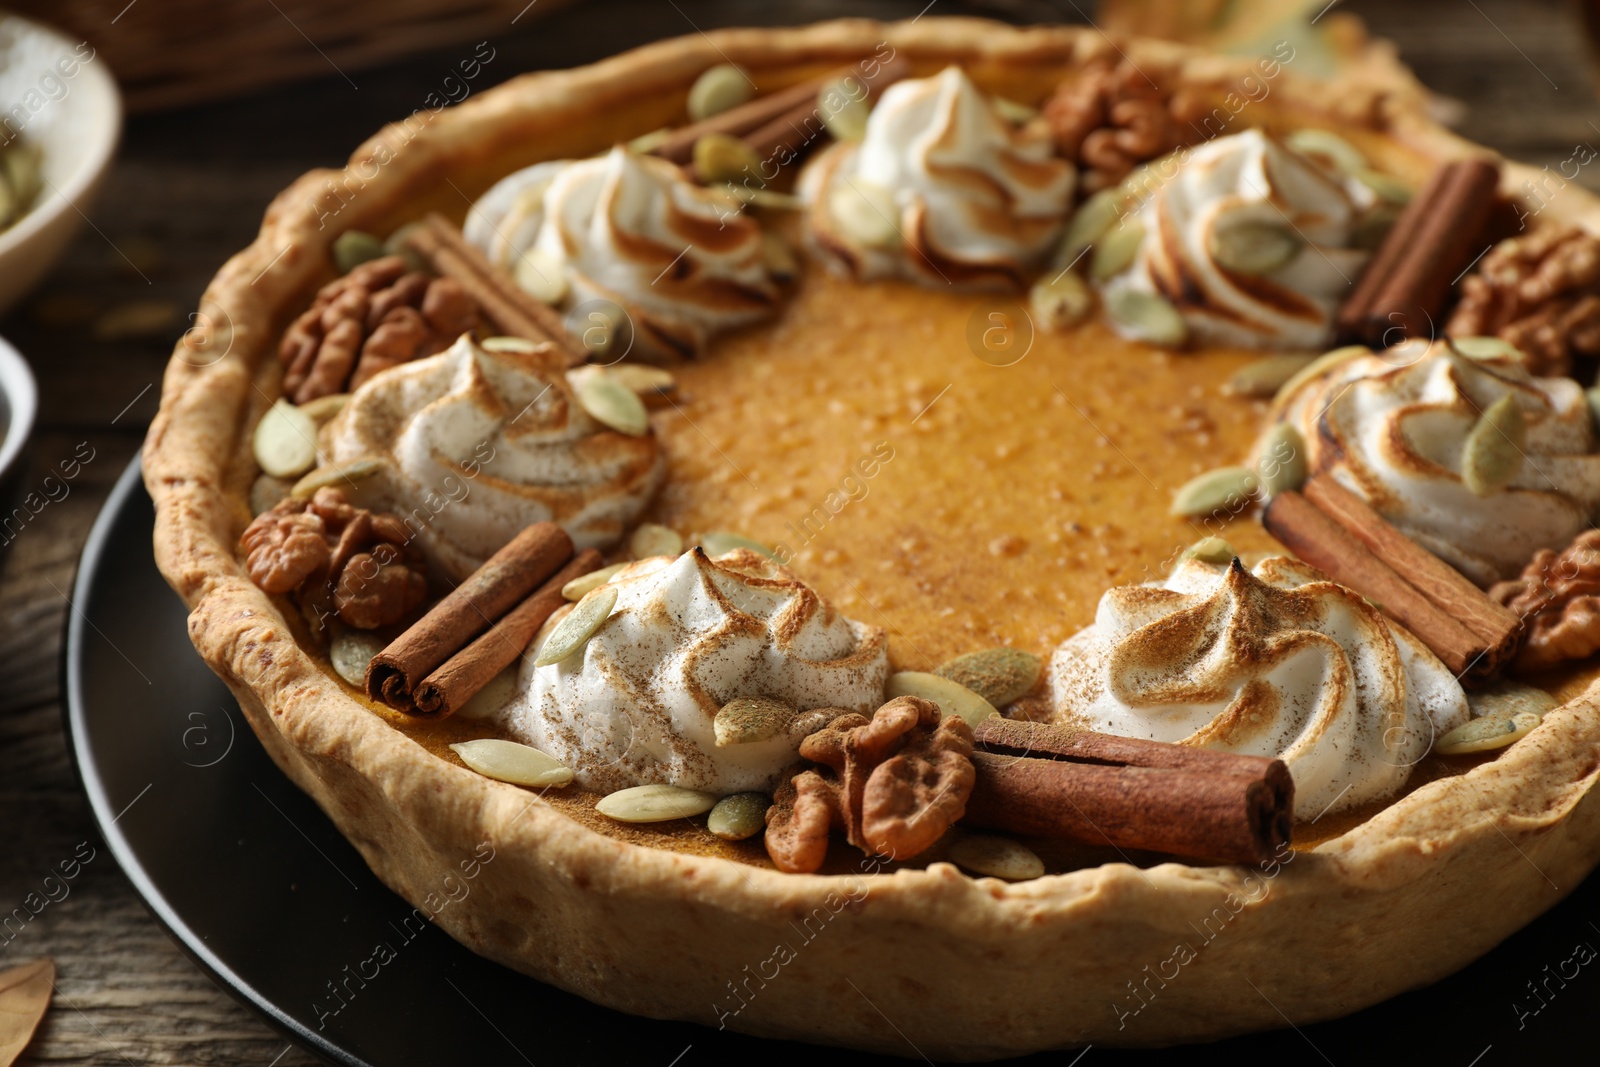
x: 964, y: 968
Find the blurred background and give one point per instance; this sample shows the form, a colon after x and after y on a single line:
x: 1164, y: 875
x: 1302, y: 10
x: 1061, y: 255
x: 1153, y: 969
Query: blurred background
x: 229, y: 100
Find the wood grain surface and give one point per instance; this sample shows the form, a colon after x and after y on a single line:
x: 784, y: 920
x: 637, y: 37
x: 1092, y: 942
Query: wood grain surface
x: 187, y: 190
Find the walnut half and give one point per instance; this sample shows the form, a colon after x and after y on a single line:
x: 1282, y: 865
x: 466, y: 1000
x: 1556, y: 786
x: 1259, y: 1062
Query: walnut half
x: 1558, y: 598
x: 894, y: 783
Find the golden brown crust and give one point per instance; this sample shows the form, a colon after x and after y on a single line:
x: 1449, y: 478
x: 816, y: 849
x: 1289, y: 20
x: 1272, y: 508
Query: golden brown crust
x: 971, y: 968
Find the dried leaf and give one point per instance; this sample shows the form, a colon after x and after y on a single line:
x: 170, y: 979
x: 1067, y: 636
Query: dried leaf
x: 24, y: 996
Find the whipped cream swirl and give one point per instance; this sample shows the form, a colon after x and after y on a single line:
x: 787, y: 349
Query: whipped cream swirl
x: 1248, y: 190
x: 1276, y: 661
x: 687, y: 635
x: 479, y: 444
x: 1391, y: 427
x: 681, y: 260
x: 961, y: 196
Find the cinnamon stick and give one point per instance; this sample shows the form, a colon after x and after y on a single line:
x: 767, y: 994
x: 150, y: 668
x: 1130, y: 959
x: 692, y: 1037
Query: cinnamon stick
x: 1059, y: 781
x: 1445, y: 587
x: 442, y: 693
x: 467, y: 611
x: 1310, y: 534
x: 1407, y: 282
x: 503, y: 302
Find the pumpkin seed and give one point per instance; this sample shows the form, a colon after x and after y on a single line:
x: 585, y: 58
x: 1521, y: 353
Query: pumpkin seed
x: 1092, y: 221
x: 350, y: 653
x: 718, y: 89
x: 1345, y: 157
x: 398, y: 243
x: 336, y: 474
x: 508, y: 761
x: 324, y: 408
x: 722, y: 157
x: 646, y: 143
x: 285, y: 441
x: 495, y: 695
x: 1281, y: 459
x: 998, y: 675
x: 865, y: 211
x: 509, y: 344
x: 609, y: 401
x: 574, y: 631
x: 779, y: 258
x: 583, y: 585
x: 1315, y: 369
x: 22, y: 173
x: 651, y: 539
x: 1013, y: 112
x: 1487, y: 733
x: 953, y: 698
x: 748, y: 720
x: 996, y: 857
x: 1061, y: 302
x: 1509, y: 698
x: 655, y: 803
x: 1116, y: 250
x: 353, y: 248
x: 1211, y: 550
x: 1223, y: 490
x: 1592, y: 394
x: 740, y: 816
x: 1146, y: 317
x: 719, y: 543
x: 1264, y: 377
x: 645, y: 380
x: 266, y: 492
x: 844, y: 113
x: 1389, y: 188
x: 541, y: 275
x: 1254, y: 247
x: 1492, y: 455
x: 1486, y: 348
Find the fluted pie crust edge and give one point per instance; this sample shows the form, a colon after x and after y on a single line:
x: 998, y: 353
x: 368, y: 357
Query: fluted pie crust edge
x: 964, y: 968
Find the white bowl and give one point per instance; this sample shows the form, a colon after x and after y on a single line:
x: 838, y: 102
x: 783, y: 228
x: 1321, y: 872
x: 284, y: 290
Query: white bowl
x: 57, y: 93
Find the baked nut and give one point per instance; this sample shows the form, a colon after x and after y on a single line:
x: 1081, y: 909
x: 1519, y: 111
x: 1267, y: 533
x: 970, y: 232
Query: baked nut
x: 283, y: 547
x: 378, y: 588
x: 1110, y: 118
x: 1558, y: 598
x: 1540, y: 292
x: 899, y: 780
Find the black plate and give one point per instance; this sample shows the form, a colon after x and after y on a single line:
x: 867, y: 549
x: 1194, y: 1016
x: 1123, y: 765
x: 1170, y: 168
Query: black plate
x: 254, y: 882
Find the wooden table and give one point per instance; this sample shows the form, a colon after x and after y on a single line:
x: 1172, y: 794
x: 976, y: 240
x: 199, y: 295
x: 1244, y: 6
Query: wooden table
x: 187, y: 190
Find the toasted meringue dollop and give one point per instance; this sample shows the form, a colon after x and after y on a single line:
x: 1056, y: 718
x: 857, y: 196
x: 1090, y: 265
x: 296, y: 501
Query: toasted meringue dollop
x: 1216, y: 195
x: 1276, y: 661
x: 1391, y: 427
x: 960, y: 196
x: 687, y: 635
x: 479, y: 444
x: 681, y: 260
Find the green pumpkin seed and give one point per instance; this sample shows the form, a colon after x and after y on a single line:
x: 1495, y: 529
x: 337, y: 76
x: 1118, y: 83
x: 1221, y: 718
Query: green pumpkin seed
x: 492, y: 698
x: 655, y: 803
x: 650, y: 539
x: 645, y: 380
x: 1013, y: 112
x: 995, y: 857
x: 1093, y: 220
x: 1487, y: 348
x: 609, y: 402
x: 1281, y: 459
x: 285, y: 441
x: 1116, y: 250
x: 1509, y: 698
x: 574, y: 631
x: 541, y: 275
x: 718, y: 543
x: 1390, y: 190
x: 353, y: 248
x: 1315, y: 369
x: 843, y: 112
x: 1213, y: 550
x: 350, y: 653
x: 1492, y: 455
x: 1592, y: 394
x: 1061, y: 302
x: 646, y: 143
x: 953, y: 698
x: 750, y: 720
x: 337, y: 474
x: 718, y: 89
x: 399, y: 244
x: 509, y: 344
x: 1254, y: 247
x: 779, y: 258
x: 865, y: 212
x: 22, y: 173
x: 324, y: 408
x: 1224, y: 490
x: 998, y: 675
x: 1488, y: 733
x: 507, y: 761
x: 583, y: 585
x: 1345, y: 157
x: 1264, y: 377
x: 740, y: 816
x: 266, y: 492
x: 1146, y: 317
x: 722, y: 157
